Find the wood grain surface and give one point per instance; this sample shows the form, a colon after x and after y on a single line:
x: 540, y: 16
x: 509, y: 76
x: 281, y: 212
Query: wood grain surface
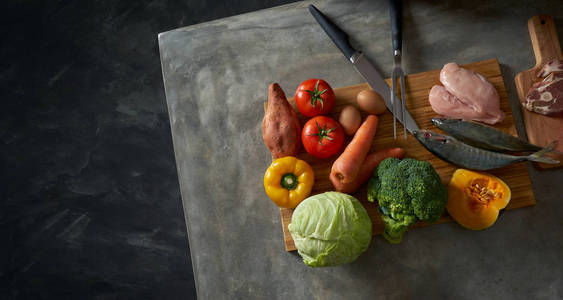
x: 416, y: 93
x: 541, y: 130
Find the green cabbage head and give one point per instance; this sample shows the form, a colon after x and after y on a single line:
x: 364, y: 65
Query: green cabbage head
x: 330, y: 229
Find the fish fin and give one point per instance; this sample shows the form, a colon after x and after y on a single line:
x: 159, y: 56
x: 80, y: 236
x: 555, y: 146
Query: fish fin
x: 538, y: 156
x: 554, y: 143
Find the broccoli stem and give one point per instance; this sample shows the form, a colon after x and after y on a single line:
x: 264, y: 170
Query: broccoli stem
x: 394, y: 236
x: 395, y: 229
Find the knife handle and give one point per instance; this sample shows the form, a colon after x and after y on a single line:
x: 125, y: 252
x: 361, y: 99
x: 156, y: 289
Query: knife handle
x: 339, y: 37
x: 396, y: 14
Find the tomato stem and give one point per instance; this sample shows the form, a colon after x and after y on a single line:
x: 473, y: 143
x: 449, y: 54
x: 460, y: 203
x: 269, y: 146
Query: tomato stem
x: 316, y: 95
x: 323, y: 132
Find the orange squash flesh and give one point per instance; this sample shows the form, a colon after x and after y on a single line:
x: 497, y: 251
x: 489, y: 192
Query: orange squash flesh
x: 475, y: 199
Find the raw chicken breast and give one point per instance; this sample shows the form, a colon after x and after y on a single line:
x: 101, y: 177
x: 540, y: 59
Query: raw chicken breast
x: 444, y: 103
x: 466, y: 95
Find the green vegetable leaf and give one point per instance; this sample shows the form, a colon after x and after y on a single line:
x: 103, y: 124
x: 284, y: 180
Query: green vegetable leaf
x: 330, y: 229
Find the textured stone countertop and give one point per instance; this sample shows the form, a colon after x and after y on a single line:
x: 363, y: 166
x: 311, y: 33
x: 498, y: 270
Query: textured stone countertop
x: 216, y: 76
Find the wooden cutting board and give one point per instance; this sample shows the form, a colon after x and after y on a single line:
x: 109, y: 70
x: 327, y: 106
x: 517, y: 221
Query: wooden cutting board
x: 416, y: 93
x: 541, y: 130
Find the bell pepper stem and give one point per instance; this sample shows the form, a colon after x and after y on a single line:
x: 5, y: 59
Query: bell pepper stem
x: 289, y: 181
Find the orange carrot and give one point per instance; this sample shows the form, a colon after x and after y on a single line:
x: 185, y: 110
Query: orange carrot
x: 346, y: 167
x: 366, y: 170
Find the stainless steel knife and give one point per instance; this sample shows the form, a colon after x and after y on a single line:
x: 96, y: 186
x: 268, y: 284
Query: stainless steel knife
x: 362, y: 65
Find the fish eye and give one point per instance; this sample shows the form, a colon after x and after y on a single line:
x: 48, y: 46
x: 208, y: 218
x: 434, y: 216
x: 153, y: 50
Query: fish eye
x: 427, y: 134
x: 444, y: 141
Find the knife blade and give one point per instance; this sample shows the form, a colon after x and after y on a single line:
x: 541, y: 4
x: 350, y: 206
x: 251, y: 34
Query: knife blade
x: 362, y: 65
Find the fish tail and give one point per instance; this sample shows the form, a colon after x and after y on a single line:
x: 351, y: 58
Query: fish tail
x: 538, y: 156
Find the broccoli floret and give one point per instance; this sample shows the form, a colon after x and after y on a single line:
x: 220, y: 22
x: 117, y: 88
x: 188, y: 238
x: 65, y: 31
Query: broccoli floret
x: 407, y: 190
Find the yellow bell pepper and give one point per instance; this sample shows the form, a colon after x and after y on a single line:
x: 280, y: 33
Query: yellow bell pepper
x: 288, y: 181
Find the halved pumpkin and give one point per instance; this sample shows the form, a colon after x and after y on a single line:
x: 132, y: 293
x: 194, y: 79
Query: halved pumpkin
x: 475, y: 199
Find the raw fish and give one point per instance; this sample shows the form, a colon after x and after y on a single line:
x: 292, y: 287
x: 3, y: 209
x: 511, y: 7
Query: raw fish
x: 469, y: 157
x: 483, y: 136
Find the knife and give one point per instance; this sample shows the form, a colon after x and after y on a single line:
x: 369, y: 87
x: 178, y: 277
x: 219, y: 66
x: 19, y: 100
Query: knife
x: 362, y: 65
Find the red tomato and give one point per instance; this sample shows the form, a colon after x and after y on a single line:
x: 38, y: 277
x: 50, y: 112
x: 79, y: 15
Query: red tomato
x: 314, y: 97
x: 322, y: 137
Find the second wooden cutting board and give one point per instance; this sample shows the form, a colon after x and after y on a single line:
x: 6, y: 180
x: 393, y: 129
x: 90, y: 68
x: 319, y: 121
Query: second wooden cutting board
x: 541, y: 130
x: 418, y: 87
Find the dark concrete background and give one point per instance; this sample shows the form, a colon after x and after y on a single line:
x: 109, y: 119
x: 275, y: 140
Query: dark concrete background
x: 89, y: 199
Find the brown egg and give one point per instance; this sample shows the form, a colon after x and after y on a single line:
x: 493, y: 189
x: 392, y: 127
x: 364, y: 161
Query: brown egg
x: 371, y: 102
x: 350, y: 119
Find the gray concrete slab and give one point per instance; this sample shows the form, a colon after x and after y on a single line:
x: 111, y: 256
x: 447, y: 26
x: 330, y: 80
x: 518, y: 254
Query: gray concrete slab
x: 216, y: 76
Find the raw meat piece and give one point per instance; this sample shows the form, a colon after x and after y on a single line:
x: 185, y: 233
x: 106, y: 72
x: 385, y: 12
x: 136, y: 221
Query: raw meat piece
x: 446, y: 104
x: 546, y: 97
x: 466, y: 95
x: 552, y: 66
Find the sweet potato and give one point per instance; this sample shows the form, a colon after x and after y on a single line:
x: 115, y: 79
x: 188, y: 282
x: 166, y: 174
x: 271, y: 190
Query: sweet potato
x: 280, y: 127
